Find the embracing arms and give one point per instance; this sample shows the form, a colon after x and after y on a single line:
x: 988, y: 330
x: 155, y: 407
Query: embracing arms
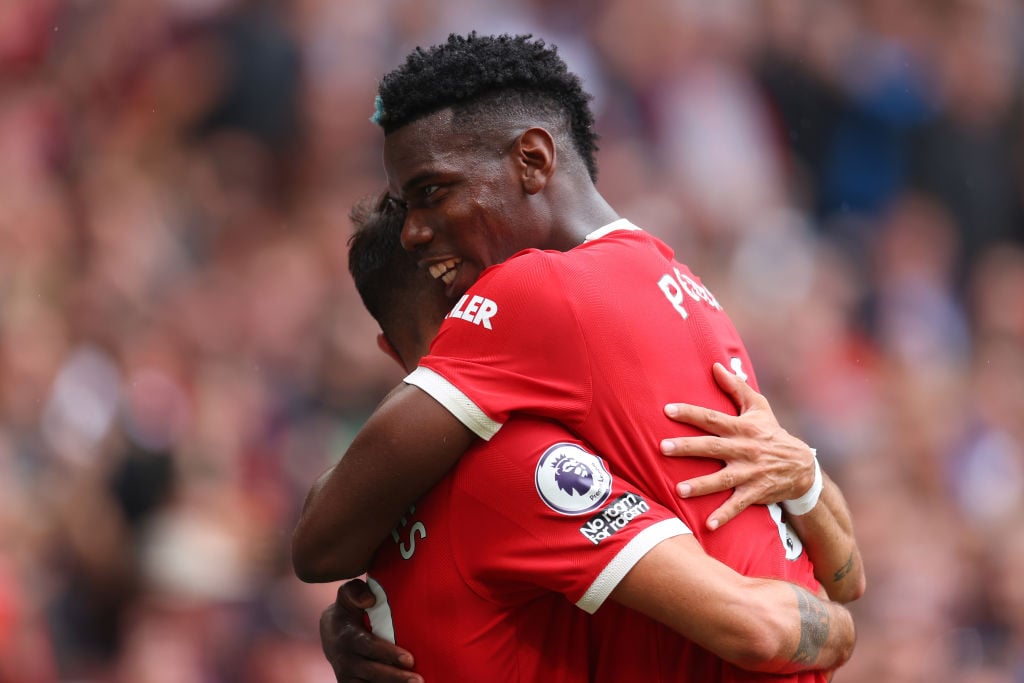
x: 760, y: 454
x: 827, y: 535
x: 756, y: 624
x: 406, y: 447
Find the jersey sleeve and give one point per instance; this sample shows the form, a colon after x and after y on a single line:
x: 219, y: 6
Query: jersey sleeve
x: 512, y: 343
x: 541, y: 512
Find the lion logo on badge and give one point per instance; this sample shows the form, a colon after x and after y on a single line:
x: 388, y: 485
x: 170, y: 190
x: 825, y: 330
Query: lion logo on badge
x: 571, y: 480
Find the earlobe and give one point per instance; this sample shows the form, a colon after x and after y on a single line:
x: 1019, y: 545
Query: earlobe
x: 537, y: 154
x: 384, y: 345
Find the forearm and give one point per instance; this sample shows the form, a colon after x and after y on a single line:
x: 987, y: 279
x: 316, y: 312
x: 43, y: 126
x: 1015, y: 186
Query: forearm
x: 405, y: 447
x: 827, y: 535
x: 756, y: 624
x: 798, y: 630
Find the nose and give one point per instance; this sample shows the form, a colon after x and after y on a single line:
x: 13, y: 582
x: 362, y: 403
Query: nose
x: 415, y: 232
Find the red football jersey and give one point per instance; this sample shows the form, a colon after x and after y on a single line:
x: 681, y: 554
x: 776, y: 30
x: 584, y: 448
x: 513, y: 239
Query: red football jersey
x: 491, y: 576
x: 600, y: 338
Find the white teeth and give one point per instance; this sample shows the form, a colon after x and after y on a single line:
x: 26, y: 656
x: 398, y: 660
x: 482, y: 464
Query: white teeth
x: 445, y: 271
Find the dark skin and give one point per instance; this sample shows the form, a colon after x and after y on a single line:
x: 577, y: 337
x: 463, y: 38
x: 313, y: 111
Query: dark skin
x: 476, y: 201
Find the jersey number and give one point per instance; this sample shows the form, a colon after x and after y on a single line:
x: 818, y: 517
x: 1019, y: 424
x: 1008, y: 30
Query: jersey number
x: 791, y: 543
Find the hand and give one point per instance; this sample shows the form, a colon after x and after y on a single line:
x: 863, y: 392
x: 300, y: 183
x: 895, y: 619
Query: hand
x: 763, y: 462
x: 354, y: 653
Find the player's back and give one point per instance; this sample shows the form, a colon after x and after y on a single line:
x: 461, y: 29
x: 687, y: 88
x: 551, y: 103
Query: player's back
x: 425, y: 604
x: 485, y: 580
x: 601, y: 338
x: 652, y: 337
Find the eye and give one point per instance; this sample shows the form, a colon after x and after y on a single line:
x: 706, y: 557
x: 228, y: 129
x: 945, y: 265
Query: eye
x: 427, y: 195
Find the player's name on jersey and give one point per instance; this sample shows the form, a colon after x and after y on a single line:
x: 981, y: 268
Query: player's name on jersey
x: 476, y: 309
x: 674, y: 287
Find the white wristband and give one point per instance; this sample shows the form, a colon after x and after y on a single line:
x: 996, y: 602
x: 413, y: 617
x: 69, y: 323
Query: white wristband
x: 805, y: 503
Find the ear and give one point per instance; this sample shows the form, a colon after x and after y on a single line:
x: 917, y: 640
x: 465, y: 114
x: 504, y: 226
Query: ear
x: 536, y: 150
x: 384, y: 345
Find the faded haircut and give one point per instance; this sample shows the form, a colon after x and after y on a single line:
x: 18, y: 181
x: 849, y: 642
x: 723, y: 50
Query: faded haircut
x: 487, y: 80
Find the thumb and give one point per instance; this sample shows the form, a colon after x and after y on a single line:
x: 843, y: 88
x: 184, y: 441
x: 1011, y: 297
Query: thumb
x: 355, y: 594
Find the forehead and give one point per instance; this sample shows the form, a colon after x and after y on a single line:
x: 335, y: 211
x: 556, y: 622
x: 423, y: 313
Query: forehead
x: 432, y: 145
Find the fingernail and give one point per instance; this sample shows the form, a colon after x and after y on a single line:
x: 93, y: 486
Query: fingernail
x: 667, y: 446
x: 713, y: 523
x: 684, y: 490
x: 406, y: 661
x: 671, y: 410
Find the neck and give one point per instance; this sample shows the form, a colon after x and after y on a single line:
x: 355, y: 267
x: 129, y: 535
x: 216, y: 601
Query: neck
x: 579, y: 214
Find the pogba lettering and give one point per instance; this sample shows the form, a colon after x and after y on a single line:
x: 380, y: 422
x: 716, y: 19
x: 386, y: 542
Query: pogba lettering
x: 674, y: 285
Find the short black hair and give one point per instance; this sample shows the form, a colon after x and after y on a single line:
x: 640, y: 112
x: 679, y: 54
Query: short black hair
x: 502, y: 73
x: 382, y: 270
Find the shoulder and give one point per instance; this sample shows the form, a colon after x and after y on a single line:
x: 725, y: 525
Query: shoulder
x: 526, y: 287
x: 523, y: 263
x: 522, y: 439
x: 515, y: 457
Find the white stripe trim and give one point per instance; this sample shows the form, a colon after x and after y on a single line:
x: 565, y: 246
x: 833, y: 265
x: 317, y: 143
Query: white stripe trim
x: 457, y: 403
x: 621, y: 224
x: 620, y: 565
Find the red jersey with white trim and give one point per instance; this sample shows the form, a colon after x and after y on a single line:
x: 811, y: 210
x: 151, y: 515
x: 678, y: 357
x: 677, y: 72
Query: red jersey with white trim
x: 600, y: 338
x: 491, y: 576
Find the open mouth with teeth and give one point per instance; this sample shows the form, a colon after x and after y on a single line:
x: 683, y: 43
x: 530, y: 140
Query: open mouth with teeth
x: 446, y: 270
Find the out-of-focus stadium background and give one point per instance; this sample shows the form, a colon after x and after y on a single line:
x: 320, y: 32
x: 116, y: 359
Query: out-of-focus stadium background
x: 182, y: 352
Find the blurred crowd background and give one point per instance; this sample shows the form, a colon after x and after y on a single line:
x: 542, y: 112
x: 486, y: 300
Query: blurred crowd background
x: 182, y: 352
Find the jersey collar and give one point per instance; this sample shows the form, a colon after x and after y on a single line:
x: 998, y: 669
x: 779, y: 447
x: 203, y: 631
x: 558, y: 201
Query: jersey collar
x: 621, y: 224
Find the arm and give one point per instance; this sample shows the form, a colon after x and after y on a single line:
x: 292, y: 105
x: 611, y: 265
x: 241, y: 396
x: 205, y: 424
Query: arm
x: 354, y: 505
x: 827, y: 534
x: 756, y: 624
x: 766, y: 464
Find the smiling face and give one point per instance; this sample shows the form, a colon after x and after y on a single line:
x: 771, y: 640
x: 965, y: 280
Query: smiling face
x: 470, y: 199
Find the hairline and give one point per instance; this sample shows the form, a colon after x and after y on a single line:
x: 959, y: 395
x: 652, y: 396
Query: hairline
x: 501, y: 127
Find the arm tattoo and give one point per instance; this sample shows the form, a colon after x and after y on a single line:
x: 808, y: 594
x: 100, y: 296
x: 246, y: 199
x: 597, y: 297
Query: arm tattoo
x: 844, y: 570
x: 814, y: 627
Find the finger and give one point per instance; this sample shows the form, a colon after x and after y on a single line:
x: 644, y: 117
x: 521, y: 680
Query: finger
x: 700, y: 446
x: 711, y: 421
x: 355, y: 595
x: 742, y: 394
x: 736, y: 503
x: 722, y: 480
x: 376, y: 672
x: 371, y: 647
